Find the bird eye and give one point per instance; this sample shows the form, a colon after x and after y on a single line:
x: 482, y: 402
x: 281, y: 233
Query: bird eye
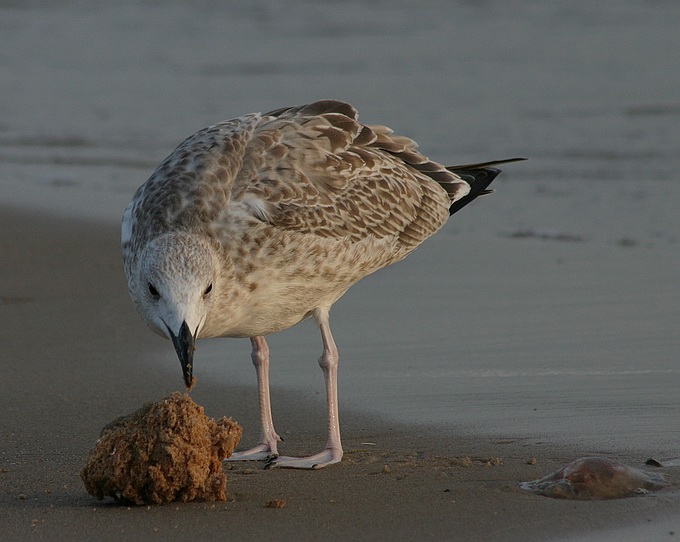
x: 208, y: 289
x: 153, y: 291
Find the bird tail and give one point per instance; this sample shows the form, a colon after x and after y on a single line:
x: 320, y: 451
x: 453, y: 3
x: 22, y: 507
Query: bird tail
x: 479, y: 177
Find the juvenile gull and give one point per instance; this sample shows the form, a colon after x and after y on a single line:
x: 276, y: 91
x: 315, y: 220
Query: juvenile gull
x: 256, y: 223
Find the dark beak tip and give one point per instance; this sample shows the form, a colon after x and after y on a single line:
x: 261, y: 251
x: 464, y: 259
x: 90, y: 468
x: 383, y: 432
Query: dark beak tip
x: 184, y: 344
x: 188, y: 374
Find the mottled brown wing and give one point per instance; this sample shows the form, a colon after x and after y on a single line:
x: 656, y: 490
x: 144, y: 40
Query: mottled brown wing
x: 316, y: 169
x: 192, y: 187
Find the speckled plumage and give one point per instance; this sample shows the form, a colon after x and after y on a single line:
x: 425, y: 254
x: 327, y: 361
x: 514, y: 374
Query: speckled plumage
x: 273, y: 217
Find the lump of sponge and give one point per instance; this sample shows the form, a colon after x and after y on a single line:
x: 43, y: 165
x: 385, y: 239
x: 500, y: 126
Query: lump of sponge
x: 165, y: 451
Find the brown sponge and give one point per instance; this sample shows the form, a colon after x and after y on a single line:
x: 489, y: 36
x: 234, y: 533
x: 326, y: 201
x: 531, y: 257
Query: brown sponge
x: 166, y: 451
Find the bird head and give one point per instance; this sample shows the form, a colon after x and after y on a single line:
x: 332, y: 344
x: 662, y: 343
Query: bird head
x: 174, y: 290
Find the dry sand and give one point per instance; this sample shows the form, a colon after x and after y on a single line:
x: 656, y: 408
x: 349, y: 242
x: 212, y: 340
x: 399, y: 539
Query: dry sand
x: 74, y: 360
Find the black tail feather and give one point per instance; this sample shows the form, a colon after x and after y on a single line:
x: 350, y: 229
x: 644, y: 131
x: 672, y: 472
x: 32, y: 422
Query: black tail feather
x: 479, y: 176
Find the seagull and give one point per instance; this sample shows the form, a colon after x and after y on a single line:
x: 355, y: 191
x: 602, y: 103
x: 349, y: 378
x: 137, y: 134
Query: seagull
x: 254, y: 224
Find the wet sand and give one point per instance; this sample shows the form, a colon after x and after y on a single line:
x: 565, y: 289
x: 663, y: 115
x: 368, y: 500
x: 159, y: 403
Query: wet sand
x: 75, y: 358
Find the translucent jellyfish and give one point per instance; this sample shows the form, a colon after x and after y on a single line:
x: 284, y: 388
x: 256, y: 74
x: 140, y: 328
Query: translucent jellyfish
x: 596, y: 478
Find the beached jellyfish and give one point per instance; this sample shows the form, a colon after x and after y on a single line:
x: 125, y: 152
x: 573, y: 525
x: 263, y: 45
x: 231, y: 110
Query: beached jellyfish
x: 596, y: 478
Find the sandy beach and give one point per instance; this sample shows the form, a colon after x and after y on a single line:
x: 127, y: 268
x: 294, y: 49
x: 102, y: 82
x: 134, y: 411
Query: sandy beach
x: 541, y: 323
x: 77, y: 358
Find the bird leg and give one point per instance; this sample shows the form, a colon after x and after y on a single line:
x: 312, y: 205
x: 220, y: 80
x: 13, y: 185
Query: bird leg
x: 267, y: 447
x: 333, y: 451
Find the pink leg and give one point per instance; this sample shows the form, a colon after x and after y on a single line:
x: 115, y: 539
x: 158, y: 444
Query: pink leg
x: 333, y: 451
x: 267, y: 448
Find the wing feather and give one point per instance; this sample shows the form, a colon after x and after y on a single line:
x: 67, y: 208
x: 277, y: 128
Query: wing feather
x: 318, y: 170
x: 312, y: 169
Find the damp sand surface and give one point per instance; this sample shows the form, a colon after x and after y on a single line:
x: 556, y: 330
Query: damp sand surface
x: 398, y: 478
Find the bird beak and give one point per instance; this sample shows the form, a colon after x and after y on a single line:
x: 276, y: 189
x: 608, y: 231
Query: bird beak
x: 185, y: 345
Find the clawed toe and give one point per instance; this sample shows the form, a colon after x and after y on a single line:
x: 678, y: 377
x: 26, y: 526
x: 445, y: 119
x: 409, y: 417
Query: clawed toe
x: 323, y: 459
x: 261, y: 452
